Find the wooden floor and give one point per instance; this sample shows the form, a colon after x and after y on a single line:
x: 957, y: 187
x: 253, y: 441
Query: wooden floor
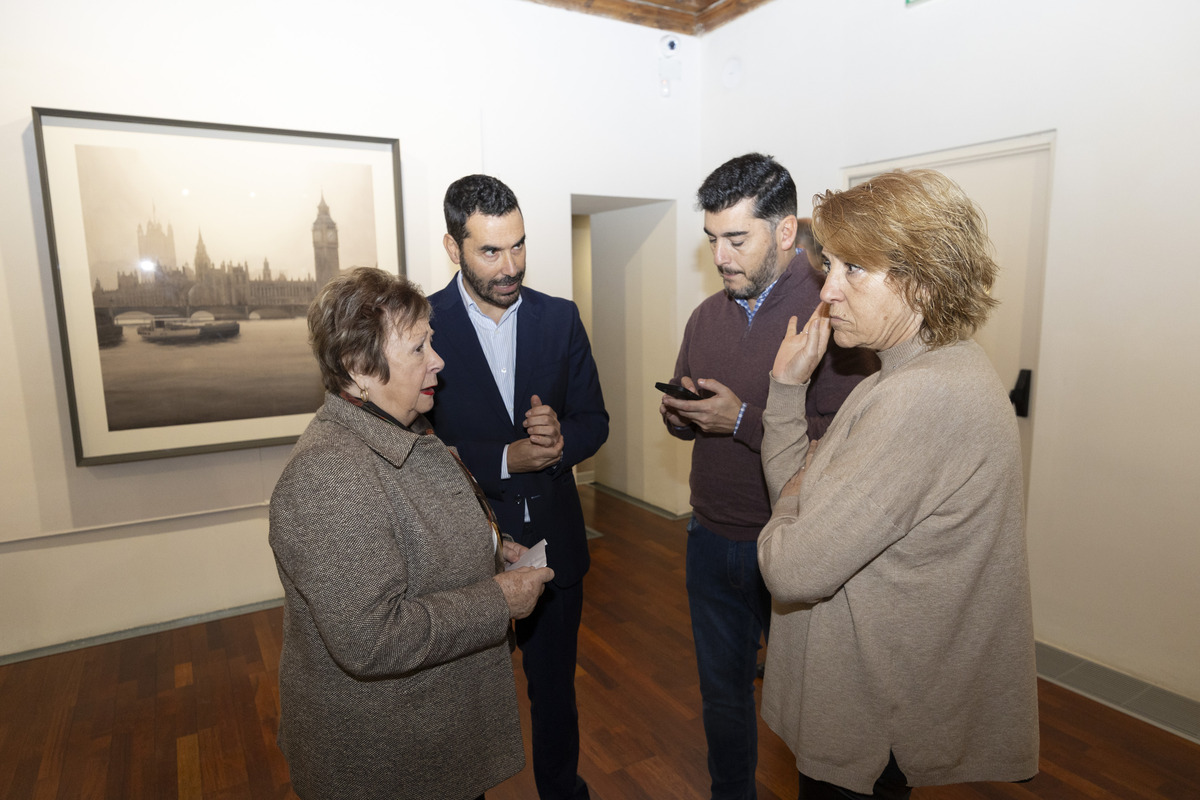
x: 191, y: 713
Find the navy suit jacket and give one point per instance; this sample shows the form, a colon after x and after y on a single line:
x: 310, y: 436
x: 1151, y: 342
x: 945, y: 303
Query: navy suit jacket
x: 554, y: 361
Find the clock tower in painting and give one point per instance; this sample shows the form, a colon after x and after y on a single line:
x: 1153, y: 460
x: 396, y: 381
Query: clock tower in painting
x: 325, y: 245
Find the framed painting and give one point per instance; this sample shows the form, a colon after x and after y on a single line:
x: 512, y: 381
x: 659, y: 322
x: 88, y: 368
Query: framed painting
x: 185, y: 255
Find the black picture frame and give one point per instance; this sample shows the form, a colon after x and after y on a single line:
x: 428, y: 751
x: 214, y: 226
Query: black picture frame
x: 219, y: 359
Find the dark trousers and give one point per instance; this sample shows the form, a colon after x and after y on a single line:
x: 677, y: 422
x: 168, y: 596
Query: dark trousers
x: 730, y: 609
x: 548, y: 639
x: 891, y: 785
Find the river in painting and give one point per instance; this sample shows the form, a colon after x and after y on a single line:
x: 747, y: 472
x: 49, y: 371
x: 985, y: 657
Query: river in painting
x: 267, y: 370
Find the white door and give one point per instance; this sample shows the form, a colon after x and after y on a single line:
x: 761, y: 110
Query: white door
x: 1010, y: 181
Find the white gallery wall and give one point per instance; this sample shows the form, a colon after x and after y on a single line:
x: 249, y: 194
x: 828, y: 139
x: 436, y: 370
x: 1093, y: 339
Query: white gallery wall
x: 561, y: 104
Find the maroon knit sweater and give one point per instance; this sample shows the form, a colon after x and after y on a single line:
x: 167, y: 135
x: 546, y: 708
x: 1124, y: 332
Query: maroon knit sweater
x: 729, y: 494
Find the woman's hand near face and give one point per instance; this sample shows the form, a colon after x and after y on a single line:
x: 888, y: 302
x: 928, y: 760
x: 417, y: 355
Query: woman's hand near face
x: 801, y: 351
x: 522, y: 588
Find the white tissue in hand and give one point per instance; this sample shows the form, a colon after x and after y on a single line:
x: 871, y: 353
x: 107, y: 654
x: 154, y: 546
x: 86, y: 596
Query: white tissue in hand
x: 533, y: 557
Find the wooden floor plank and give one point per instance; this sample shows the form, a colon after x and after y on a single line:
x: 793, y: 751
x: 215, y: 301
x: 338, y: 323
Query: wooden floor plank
x: 54, y: 705
x: 188, y: 768
x: 192, y: 713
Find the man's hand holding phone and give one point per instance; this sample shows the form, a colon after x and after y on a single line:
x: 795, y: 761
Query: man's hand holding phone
x: 715, y: 409
x: 669, y: 391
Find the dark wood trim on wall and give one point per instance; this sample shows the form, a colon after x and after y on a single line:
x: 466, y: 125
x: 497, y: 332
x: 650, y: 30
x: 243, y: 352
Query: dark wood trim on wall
x: 692, y: 17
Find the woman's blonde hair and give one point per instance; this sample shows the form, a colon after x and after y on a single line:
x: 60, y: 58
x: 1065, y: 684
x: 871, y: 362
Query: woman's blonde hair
x: 922, y: 230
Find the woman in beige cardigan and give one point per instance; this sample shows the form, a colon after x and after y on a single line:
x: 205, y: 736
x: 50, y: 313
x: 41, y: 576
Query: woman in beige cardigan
x: 901, y: 635
x: 395, y: 679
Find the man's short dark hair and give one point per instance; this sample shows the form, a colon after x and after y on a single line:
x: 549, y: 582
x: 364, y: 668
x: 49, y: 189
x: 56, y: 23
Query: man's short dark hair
x: 475, y: 194
x: 752, y: 175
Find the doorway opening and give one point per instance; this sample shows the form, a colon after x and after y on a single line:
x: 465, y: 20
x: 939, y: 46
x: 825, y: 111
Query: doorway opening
x: 624, y: 281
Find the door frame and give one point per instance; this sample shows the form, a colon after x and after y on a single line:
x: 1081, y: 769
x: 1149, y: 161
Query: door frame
x: 1043, y: 140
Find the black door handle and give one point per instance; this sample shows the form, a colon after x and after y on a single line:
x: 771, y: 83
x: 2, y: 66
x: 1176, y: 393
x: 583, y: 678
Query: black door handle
x: 1019, y: 396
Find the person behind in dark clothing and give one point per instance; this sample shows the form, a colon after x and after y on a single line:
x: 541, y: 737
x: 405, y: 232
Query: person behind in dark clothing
x: 728, y: 348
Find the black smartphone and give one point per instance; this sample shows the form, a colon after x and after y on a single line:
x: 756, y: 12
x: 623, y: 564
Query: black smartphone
x: 678, y: 392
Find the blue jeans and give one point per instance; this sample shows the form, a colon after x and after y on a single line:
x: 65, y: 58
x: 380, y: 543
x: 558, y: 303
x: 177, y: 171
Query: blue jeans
x: 730, y: 610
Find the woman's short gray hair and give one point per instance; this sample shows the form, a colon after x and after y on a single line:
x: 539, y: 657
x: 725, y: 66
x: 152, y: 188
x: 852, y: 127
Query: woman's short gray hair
x: 351, y: 319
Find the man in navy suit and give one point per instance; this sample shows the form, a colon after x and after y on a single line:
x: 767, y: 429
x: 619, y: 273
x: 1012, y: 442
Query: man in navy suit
x: 520, y: 399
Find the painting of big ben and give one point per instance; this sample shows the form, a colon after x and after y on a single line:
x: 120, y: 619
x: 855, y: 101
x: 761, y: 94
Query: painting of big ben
x: 325, y: 245
x: 187, y: 247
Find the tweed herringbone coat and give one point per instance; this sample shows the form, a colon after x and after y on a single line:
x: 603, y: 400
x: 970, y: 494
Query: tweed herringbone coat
x: 395, y: 678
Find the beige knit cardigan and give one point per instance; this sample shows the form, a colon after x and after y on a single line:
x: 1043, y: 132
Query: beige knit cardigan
x: 902, y: 617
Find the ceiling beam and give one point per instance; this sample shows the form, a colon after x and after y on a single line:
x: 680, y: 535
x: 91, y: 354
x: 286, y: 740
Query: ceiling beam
x: 693, y: 17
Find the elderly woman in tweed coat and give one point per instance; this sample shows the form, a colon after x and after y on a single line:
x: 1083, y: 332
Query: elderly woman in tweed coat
x: 395, y: 678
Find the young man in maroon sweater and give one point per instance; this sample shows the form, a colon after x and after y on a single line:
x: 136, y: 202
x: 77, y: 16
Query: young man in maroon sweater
x: 728, y: 349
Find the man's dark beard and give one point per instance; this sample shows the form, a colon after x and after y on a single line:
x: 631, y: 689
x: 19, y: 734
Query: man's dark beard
x: 763, y: 277
x: 486, y: 290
